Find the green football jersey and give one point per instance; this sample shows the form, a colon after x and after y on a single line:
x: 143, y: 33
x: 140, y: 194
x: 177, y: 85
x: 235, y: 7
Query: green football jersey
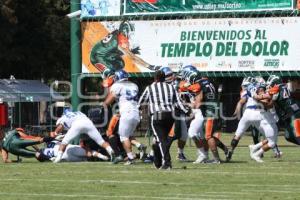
x: 7, y: 140
x: 285, y: 105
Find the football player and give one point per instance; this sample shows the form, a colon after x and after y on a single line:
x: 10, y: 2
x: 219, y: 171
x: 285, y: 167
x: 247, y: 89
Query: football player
x: 126, y: 93
x: 73, y: 153
x: 255, y: 114
x: 78, y: 123
x: 16, y: 142
x: 287, y: 109
x: 206, y: 100
x: 112, y: 129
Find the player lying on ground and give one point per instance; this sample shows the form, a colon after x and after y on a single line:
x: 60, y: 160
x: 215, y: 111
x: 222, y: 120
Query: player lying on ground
x: 16, y: 142
x: 73, y: 153
x: 78, y: 123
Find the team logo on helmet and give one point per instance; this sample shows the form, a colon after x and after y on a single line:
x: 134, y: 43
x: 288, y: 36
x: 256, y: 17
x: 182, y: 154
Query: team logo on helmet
x: 186, y: 71
x: 273, y: 80
x: 193, y: 77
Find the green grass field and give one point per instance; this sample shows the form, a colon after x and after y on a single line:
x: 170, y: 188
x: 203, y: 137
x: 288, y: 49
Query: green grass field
x: 240, y: 179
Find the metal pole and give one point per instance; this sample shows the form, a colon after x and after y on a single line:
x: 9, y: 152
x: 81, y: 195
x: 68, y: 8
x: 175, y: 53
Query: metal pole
x: 75, y: 54
x: 75, y: 33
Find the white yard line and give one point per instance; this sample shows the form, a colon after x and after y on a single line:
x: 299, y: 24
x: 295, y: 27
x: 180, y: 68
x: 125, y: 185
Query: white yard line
x: 272, y: 191
x: 178, y: 171
x: 148, y: 182
x: 99, y: 196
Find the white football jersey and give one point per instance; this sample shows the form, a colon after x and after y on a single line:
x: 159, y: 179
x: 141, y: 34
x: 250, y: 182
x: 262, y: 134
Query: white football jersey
x: 52, y: 149
x: 68, y: 118
x: 127, y: 94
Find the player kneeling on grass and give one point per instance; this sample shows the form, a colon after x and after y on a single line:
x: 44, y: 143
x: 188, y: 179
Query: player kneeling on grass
x: 73, y: 153
x: 78, y: 123
x: 16, y: 142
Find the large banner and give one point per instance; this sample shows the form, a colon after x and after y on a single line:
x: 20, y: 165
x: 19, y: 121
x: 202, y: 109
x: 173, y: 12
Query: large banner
x: 95, y: 8
x: 232, y: 44
x: 173, y: 6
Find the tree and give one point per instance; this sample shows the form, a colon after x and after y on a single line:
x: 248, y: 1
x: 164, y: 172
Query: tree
x: 34, y: 39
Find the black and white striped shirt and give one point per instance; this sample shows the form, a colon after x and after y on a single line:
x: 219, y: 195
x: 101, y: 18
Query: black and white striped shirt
x: 162, y: 97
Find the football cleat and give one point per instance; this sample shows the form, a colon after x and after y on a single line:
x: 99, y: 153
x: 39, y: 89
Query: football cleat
x: 229, y: 155
x: 213, y: 161
x: 251, y: 149
x: 117, y: 159
x: 181, y: 157
x: 149, y: 159
x: 256, y: 158
x: 165, y: 167
x: 142, y: 150
x: 129, y: 162
x: 200, y: 159
x: 278, y: 155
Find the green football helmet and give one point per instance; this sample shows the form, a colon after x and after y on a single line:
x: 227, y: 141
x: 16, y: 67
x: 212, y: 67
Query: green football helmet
x: 126, y: 28
x: 273, y: 80
x: 194, y: 77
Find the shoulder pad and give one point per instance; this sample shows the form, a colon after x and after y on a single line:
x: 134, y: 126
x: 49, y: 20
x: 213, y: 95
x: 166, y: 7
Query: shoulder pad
x: 182, y: 87
x: 195, y: 88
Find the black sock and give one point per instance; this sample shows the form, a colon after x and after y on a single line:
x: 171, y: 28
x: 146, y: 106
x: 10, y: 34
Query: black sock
x: 234, y: 143
x: 113, y: 141
x: 221, y: 145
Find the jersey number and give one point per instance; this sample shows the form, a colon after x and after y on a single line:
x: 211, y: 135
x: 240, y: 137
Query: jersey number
x: 131, y: 95
x: 210, y: 91
x: 286, y: 93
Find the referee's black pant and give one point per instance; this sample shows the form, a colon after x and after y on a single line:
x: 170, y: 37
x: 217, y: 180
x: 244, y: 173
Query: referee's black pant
x: 161, y: 124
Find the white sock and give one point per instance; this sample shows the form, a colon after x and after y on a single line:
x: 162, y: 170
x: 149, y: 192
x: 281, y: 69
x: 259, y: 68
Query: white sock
x: 60, y: 154
x: 99, y: 155
x: 259, y: 152
x: 109, y: 150
x: 130, y: 155
x: 202, y: 152
x: 180, y: 150
x: 151, y: 153
x: 258, y: 146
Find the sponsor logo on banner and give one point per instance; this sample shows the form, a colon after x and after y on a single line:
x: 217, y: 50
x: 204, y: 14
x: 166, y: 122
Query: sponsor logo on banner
x: 246, y: 64
x: 223, y: 65
x: 271, y: 63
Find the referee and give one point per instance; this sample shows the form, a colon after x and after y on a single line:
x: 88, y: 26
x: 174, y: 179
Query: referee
x: 161, y: 98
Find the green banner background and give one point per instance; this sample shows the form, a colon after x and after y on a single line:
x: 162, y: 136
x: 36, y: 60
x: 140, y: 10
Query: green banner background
x: 171, y: 6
